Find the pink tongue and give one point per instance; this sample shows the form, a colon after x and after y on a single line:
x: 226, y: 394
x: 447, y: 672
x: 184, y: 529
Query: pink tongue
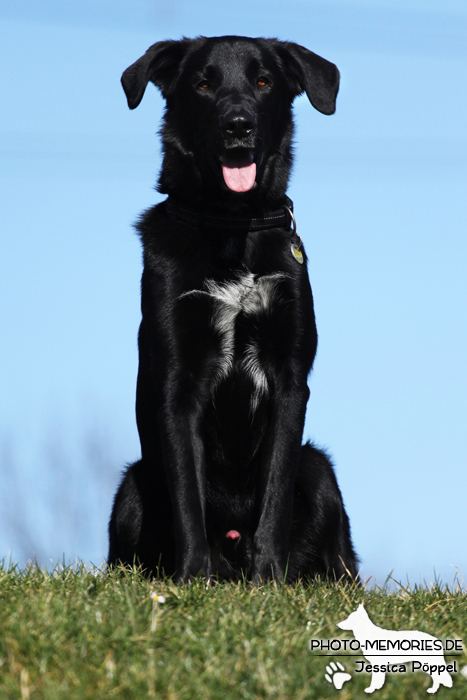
x: 239, y: 179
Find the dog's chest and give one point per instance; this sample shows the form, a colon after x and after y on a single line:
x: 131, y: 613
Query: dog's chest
x: 243, y: 313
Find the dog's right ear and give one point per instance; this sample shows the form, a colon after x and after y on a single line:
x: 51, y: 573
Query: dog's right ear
x: 160, y: 65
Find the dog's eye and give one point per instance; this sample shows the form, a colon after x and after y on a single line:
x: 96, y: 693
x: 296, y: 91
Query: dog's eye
x: 262, y: 81
x: 203, y: 85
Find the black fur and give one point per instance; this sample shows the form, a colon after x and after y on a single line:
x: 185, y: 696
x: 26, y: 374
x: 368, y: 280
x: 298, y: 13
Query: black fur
x: 228, y: 334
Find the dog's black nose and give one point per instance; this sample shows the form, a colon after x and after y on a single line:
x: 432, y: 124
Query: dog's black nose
x: 238, y: 125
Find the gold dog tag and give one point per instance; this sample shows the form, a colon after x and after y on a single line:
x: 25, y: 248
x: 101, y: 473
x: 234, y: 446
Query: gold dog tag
x: 297, y: 253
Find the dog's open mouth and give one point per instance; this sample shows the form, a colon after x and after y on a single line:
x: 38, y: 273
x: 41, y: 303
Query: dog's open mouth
x: 239, y: 170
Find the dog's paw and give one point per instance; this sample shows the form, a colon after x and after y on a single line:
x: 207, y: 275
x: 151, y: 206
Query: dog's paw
x: 266, y: 573
x: 336, y: 675
x: 196, y: 567
x: 187, y: 576
x: 267, y: 568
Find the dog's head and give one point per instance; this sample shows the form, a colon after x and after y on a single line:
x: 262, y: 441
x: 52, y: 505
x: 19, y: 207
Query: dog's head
x: 228, y: 126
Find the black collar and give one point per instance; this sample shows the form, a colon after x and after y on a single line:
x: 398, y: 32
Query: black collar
x: 279, y: 218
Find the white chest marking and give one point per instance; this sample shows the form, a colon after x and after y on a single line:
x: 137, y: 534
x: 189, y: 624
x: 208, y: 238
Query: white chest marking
x: 251, y: 296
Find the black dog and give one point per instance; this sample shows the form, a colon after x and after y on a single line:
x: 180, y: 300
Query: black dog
x: 228, y: 334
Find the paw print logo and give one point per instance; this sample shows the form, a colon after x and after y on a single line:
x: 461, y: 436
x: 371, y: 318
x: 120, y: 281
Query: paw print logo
x: 336, y: 675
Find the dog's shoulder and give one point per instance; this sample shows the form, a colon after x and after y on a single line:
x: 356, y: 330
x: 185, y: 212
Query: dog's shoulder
x: 163, y: 237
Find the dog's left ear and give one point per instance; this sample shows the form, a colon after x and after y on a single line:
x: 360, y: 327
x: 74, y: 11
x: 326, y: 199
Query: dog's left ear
x: 160, y: 65
x: 308, y: 72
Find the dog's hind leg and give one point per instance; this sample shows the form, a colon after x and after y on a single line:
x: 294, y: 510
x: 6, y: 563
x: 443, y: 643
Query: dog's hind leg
x: 377, y: 681
x: 140, y: 528
x: 320, y: 543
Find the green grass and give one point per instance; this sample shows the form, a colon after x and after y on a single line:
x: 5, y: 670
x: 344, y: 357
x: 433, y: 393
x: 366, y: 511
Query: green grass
x: 72, y: 634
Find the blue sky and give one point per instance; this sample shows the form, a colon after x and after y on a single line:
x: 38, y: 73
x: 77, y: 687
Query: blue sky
x: 380, y: 198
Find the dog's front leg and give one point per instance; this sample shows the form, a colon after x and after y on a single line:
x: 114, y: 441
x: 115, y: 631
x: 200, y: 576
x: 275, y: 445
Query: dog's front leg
x: 279, y: 465
x: 185, y: 470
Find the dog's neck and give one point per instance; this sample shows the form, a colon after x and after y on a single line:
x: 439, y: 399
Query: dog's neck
x: 202, y: 216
